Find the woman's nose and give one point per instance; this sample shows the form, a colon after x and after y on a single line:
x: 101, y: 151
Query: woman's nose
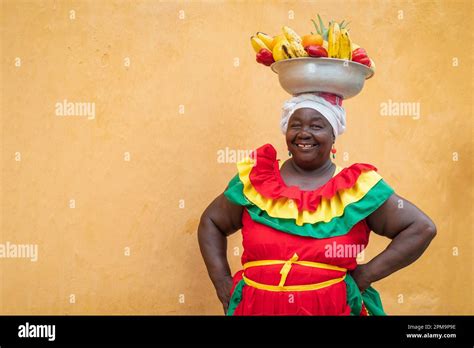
x: 303, y: 133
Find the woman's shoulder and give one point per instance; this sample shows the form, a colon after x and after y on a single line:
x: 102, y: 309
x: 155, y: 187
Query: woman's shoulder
x: 364, y: 176
x: 347, y: 176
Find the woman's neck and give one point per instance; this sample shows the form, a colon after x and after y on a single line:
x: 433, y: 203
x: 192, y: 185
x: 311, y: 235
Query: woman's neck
x: 321, y: 170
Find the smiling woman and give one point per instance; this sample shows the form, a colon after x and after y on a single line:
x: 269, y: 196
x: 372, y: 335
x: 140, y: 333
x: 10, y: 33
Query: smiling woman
x: 290, y: 214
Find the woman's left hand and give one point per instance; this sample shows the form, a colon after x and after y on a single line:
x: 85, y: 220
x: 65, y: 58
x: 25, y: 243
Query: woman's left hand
x: 361, y: 277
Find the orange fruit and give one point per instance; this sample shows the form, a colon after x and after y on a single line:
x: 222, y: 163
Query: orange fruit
x: 312, y: 39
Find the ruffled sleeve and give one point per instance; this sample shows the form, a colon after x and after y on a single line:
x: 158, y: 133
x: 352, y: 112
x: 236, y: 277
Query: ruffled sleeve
x: 233, y: 192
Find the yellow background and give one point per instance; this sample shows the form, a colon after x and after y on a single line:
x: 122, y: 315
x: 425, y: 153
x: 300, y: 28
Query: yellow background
x: 138, y: 204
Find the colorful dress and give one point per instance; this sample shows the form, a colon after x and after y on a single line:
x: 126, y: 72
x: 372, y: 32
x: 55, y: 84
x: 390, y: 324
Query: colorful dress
x: 299, y: 246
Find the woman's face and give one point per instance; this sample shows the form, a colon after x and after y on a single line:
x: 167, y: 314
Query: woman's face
x: 309, y: 138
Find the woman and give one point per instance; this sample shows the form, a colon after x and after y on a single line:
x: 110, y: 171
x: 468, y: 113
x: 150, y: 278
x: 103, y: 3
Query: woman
x: 304, y: 221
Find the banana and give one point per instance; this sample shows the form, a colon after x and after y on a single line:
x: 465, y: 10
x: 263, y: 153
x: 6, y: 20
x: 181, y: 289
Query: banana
x: 278, y: 52
x: 257, y: 44
x: 278, y: 38
x: 282, y: 50
x: 325, y: 45
x: 266, y: 39
x: 289, y: 50
x: 345, y: 51
x: 298, y: 49
x: 334, y: 37
x: 291, y: 35
x: 294, y: 41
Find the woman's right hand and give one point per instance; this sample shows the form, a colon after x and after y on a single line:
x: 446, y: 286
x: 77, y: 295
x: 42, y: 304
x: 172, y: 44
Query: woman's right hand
x: 223, y: 288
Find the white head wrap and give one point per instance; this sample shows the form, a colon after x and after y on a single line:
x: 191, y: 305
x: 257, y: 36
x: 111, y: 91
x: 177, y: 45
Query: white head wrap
x: 334, y: 113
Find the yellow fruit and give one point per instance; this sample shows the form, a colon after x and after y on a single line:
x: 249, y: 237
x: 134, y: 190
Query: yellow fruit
x: 282, y: 50
x: 345, y: 51
x: 325, y: 45
x: 278, y: 52
x: 289, y: 51
x: 334, y: 37
x: 278, y: 38
x: 257, y: 44
x: 266, y: 39
x: 291, y: 35
x: 298, y: 49
x: 312, y: 39
x: 295, y: 48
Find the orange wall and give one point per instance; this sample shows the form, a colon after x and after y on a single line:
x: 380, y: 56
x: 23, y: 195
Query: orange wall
x: 138, y: 204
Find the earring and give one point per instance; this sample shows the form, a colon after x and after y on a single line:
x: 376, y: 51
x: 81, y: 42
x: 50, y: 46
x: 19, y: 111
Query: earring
x: 333, y: 151
x: 289, y: 153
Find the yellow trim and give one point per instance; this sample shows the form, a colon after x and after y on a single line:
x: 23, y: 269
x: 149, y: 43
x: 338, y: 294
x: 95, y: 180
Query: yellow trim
x: 303, y: 263
x: 307, y: 287
x: 286, y: 269
x: 285, y: 208
x: 284, y: 274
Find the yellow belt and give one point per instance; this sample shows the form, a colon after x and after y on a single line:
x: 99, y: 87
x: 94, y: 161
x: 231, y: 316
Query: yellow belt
x: 284, y: 273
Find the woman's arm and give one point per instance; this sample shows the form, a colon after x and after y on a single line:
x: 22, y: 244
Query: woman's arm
x: 220, y: 219
x: 411, y: 232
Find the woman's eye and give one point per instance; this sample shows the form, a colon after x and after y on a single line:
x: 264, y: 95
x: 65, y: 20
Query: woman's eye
x: 295, y: 125
x: 315, y: 126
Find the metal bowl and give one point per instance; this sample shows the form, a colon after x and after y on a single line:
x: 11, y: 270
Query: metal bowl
x: 304, y: 75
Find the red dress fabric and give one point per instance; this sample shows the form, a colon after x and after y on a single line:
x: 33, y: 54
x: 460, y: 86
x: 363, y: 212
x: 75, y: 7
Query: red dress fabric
x: 261, y: 242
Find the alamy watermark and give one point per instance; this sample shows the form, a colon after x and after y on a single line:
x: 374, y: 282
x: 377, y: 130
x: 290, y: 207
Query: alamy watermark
x: 37, y: 331
x: 25, y: 251
x: 339, y: 250
x: 80, y: 109
x: 403, y: 109
x: 229, y: 155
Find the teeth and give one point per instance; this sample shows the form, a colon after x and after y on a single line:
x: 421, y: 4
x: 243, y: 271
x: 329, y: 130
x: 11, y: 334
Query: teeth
x: 305, y: 146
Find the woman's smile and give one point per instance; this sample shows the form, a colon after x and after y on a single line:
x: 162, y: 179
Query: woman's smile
x: 304, y: 146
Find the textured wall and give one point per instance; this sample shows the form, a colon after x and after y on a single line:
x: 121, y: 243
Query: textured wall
x: 113, y: 201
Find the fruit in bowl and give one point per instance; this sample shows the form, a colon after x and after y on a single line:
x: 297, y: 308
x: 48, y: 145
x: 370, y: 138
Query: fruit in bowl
x: 312, y: 40
x: 316, y: 51
x: 331, y: 41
